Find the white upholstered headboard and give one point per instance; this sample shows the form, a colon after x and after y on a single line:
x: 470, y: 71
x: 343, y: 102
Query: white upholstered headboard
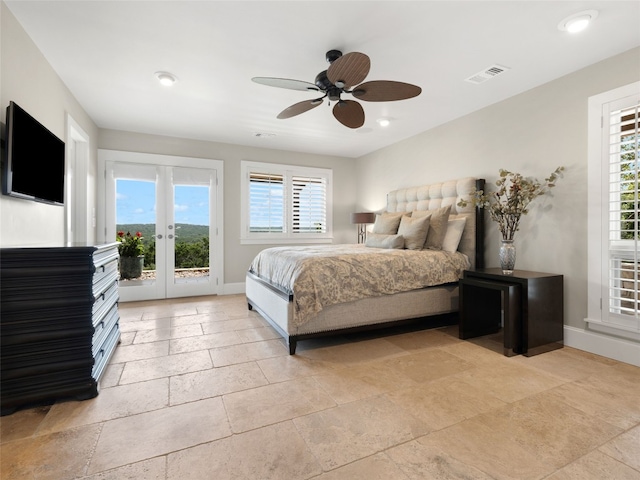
x: 437, y: 195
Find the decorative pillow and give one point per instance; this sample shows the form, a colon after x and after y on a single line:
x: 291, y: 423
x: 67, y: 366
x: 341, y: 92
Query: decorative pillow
x: 387, y: 223
x: 437, y: 226
x: 379, y: 240
x: 414, y: 231
x: 455, y: 227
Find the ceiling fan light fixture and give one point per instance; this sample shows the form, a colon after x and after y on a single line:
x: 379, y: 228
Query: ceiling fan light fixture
x: 165, y: 78
x: 577, y: 22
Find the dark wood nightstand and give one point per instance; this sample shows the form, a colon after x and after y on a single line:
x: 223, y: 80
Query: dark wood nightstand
x: 529, y: 306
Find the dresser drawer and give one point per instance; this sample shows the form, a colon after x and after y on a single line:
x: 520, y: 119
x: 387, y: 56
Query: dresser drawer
x: 103, y: 328
x: 104, y: 276
x: 104, y: 302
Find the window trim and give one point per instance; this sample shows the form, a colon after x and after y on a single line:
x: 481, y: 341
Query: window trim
x: 287, y: 172
x: 598, y: 318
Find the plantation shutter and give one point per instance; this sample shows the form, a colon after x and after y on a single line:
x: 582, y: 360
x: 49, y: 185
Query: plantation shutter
x: 266, y: 202
x: 622, y: 285
x: 309, y: 211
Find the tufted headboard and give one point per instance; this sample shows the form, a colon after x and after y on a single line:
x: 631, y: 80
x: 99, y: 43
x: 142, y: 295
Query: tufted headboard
x: 437, y: 195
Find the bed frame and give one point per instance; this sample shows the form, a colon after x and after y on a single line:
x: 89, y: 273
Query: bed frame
x: 276, y: 305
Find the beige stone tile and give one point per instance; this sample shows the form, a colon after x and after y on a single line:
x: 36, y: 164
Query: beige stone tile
x: 554, y: 431
x: 114, y: 402
x: 153, y: 469
x: 128, y: 353
x: 476, y: 354
x: 422, y: 339
x: 362, y: 380
x: 596, y: 466
x: 617, y: 406
x: 250, y: 455
x: 127, y: 338
x: 288, y: 367
x: 141, y: 437
x: 247, y: 352
x: 444, y: 402
x: 141, y: 370
x: 203, y: 342
x: 510, y: 381
x: 375, y: 467
x: 625, y: 448
x: 111, y: 376
x: 199, y: 318
x: 474, y: 444
x: 160, y: 334
x: 232, y: 324
x: 257, y: 334
x: 420, y: 462
x: 275, y: 403
x: 57, y: 456
x: 214, y: 382
x: 21, y: 423
x: 164, y: 310
x: 356, y: 430
x: 428, y: 365
x: 565, y: 363
x: 142, y: 325
x: 341, y: 353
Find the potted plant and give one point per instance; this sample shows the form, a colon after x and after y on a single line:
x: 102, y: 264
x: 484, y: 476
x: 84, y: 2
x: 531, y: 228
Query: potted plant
x: 507, y: 205
x: 131, y: 250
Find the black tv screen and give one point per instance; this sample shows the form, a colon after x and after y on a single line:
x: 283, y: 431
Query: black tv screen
x: 33, y: 166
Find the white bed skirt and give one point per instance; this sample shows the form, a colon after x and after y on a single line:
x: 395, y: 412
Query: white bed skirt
x: 278, y: 310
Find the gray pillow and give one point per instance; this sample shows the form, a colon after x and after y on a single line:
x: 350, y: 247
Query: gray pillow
x: 437, y: 226
x: 387, y: 223
x: 414, y: 231
x: 379, y: 240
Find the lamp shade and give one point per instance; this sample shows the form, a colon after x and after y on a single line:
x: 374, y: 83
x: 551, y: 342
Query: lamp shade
x: 363, y: 217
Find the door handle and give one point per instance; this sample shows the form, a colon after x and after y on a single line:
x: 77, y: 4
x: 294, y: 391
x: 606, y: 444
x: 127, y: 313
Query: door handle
x: 159, y: 236
x: 169, y: 236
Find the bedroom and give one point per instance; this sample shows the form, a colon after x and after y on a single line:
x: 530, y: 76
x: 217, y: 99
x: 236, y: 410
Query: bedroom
x: 533, y: 131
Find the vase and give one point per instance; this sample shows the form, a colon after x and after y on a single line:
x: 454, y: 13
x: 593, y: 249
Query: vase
x: 131, y: 267
x: 507, y: 257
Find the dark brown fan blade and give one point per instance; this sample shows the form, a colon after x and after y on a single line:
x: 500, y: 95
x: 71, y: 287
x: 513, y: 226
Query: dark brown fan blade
x: 350, y: 69
x: 349, y: 113
x: 298, y: 108
x: 285, y: 83
x: 385, y: 91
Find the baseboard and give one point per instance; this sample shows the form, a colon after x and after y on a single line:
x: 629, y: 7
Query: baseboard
x: 619, y: 349
x: 233, y: 288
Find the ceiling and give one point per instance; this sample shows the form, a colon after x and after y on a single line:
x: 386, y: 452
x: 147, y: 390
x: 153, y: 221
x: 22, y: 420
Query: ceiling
x: 107, y: 52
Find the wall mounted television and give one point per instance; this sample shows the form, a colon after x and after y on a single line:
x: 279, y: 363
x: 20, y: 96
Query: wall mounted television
x: 33, y: 167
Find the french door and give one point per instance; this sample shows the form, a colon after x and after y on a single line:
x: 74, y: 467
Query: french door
x: 176, y: 209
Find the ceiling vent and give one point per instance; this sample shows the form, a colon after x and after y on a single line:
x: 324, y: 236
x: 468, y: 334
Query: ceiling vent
x: 486, y: 74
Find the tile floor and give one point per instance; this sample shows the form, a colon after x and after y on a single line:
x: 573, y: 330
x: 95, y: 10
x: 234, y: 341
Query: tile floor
x: 202, y: 388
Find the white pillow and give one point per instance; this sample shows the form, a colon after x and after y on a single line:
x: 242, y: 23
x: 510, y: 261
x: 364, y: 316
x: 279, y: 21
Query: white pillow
x: 455, y: 227
x: 379, y: 240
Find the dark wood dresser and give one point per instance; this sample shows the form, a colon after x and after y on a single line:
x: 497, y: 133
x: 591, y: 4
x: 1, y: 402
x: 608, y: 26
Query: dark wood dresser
x: 59, y: 322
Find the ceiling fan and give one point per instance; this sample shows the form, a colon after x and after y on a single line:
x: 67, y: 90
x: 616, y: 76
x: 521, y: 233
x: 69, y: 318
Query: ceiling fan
x: 344, y: 75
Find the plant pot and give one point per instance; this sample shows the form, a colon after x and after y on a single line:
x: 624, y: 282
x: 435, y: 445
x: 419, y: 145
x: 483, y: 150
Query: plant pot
x: 131, y: 267
x: 507, y: 257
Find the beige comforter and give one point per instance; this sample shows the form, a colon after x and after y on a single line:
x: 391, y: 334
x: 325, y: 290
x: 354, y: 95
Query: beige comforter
x: 319, y: 276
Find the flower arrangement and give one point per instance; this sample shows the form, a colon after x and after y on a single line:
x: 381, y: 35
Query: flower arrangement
x: 511, y: 200
x: 130, y: 245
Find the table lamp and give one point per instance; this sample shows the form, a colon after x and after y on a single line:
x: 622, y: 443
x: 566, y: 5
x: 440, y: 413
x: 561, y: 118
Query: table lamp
x: 362, y: 219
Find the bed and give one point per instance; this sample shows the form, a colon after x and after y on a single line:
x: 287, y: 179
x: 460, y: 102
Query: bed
x: 311, y: 291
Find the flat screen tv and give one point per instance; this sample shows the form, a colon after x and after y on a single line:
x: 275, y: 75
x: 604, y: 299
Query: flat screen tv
x: 33, y: 166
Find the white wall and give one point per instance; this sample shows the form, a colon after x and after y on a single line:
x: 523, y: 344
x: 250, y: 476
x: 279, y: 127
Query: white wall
x: 27, y: 79
x: 531, y: 133
x: 238, y: 257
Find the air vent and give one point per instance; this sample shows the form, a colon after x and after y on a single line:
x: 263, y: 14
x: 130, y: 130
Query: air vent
x: 486, y: 74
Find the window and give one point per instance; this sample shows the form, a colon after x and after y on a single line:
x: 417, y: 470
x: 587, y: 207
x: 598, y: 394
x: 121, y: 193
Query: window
x: 285, y: 204
x: 614, y: 223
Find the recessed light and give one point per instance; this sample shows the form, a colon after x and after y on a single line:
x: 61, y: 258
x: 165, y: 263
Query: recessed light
x: 165, y: 78
x: 383, y: 122
x: 264, y: 135
x: 577, y: 22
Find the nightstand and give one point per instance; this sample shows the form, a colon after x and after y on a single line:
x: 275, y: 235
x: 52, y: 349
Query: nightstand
x: 529, y: 306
